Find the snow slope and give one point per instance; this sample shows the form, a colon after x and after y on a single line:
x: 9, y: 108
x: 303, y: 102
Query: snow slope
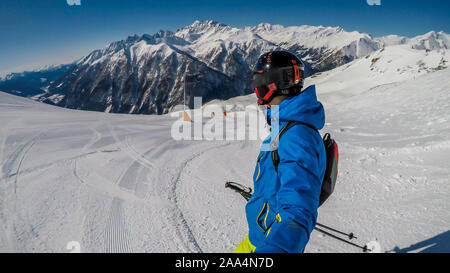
x: 120, y: 183
x: 389, y: 65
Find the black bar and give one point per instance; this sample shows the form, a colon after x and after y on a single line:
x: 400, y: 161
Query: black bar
x: 223, y: 262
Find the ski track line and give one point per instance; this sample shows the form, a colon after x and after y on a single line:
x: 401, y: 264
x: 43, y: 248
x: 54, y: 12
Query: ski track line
x: 138, y: 156
x: 11, y: 105
x: 47, y: 165
x: 9, y: 164
x: 135, y: 167
x: 22, y: 150
x: 3, y: 220
x: 185, y: 225
x: 92, y: 141
x: 124, y: 145
x: 18, y: 218
x: 80, y: 214
x: 117, y: 236
x: 97, y: 136
x: 2, y: 149
x: 21, y: 161
x: 174, y: 220
x: 132, y: 178
x: 132, y: 172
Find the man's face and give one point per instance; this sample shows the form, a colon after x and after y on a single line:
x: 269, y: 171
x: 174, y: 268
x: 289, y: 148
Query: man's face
x: 276, y: 101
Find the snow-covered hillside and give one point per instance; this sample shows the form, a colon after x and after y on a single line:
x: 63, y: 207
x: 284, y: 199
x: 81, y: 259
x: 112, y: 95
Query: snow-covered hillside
x: 120, y: 183
x: 353, y: 44
x: 431, y: 40
x: 386, y: 66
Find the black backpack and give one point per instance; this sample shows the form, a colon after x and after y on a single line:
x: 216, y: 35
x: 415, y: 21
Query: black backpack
x: 332, y: 152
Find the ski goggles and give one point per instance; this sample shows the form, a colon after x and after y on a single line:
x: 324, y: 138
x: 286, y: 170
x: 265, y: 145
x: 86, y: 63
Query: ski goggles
x: 277, y: 81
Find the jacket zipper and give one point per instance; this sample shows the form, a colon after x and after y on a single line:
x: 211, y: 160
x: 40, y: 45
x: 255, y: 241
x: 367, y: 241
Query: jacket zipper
x: 259, y: 166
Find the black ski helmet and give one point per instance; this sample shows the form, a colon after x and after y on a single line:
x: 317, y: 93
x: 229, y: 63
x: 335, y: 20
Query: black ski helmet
x: 278, y: 73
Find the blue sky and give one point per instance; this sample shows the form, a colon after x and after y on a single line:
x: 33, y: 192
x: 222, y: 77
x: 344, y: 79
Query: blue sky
x: 39, y: 32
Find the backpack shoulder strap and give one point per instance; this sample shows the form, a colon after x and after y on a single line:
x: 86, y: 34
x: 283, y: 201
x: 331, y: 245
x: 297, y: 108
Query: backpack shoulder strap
x: 275, y: 143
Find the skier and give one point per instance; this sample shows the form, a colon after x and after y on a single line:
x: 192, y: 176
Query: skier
x: 282, y: 212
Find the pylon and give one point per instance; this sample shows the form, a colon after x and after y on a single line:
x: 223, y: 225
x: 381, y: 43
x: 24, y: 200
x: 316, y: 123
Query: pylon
x: 186, y: 117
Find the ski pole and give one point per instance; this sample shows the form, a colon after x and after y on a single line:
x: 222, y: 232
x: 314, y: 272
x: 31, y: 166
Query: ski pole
x: 349, y: 235
x: 246, y: 192
x: 364, y: 248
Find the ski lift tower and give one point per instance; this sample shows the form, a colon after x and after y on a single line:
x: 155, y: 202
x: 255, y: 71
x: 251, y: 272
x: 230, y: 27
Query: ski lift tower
x: 189, y: 79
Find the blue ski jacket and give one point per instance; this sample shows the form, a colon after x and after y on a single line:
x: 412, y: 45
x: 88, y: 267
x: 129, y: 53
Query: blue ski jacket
x: 282, y: 211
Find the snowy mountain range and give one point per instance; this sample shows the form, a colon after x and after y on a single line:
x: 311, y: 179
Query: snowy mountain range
x: 148, y: 74
x: 31, y: 83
